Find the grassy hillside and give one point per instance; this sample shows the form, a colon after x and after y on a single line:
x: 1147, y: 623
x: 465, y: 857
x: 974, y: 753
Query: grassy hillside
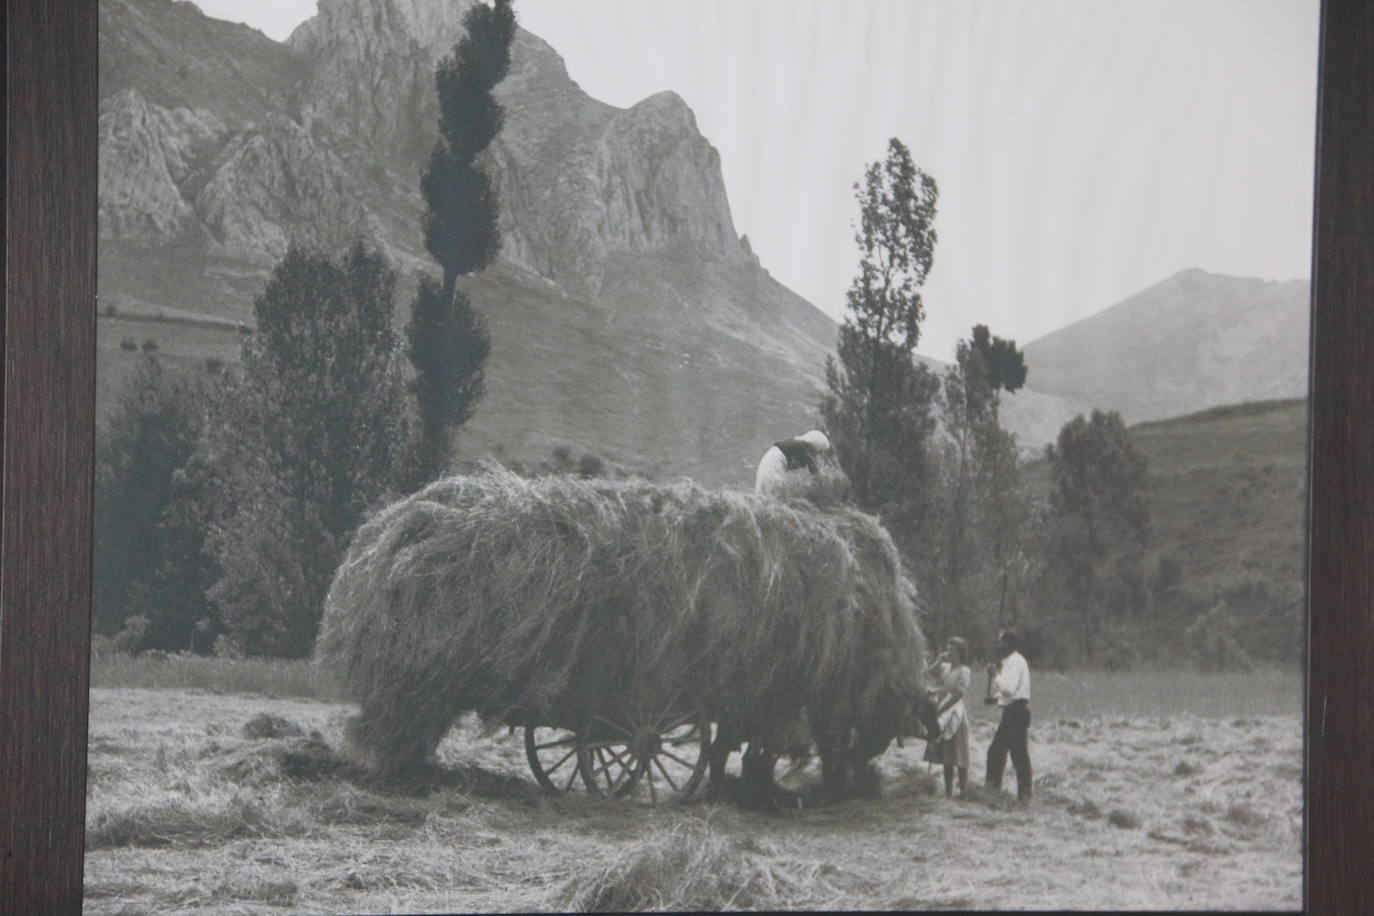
x: 1228, y: 490
x: 1227, y: 493
x: 669, y: 371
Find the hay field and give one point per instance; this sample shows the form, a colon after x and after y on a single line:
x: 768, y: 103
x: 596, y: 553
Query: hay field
x: 1154, y: 791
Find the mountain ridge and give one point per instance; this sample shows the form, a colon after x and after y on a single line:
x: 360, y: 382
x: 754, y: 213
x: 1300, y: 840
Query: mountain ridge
x: 1199, y: 339
x: 219, y: 147
x: 615, y: 222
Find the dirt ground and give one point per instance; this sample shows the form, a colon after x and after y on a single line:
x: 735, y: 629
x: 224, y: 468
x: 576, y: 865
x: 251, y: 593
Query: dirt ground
x: 186, y: 813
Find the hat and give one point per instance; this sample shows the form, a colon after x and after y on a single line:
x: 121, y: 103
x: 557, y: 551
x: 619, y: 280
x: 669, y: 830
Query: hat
x: 817, y: 438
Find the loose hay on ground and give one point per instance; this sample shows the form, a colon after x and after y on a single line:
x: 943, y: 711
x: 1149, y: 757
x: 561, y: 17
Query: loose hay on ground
x: 266, y: 725
x: 550, y: 598
x: 179, y: 824
x: 690, y: 867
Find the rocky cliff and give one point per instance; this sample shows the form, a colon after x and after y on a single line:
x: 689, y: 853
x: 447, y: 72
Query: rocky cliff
x: 629, y: 317
x: 150, y: 162
x: 624, y: 294
x: 336, y: 152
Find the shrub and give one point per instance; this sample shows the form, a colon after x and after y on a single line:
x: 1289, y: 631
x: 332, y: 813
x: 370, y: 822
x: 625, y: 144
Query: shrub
x: 1211, y: 641
x: 590, y: 466
x: 149, y: 438
x: 128, y: 343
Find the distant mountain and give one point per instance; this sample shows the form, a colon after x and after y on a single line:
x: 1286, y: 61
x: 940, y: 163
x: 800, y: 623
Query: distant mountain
x: 1193, y: 341
x: 628, y: 316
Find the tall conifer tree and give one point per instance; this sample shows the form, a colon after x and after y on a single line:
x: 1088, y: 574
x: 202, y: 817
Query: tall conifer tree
x: 448, y: 339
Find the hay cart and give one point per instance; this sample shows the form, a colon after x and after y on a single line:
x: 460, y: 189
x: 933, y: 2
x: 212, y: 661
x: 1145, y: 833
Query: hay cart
x: 654, y: 746
x: 622, y: 625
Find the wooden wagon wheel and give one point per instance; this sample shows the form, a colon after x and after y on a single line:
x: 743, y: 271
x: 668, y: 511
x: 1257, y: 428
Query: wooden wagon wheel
x: 553, y: 755
x: 657, y: 755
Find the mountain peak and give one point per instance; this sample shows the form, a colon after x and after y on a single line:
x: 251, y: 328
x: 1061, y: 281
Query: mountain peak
x: 1185, y: 343
x: 434, y: 25
x: 666, y: 100
x: 1187, y: 273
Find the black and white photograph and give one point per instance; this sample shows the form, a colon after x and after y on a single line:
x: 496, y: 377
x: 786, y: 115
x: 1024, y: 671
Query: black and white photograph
x: 627, y: 455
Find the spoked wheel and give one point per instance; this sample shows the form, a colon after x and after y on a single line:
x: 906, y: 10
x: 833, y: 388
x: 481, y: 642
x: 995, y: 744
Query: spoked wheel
x: 654, y: 756
x: 553, y: 757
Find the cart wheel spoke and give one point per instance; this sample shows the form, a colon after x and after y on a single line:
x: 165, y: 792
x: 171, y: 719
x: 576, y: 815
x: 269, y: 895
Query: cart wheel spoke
x: 670, y: 755
x: 625, y: 773
x: 682, y: 740
x: 564, y: 759
x: 572, y: 774
x: 548, y: 750
x: 670, y: 735
x: 605, y: 745
x: 605, y: 769
x: 617, y: 726
x: 685, y: 718
x: 658, y: 763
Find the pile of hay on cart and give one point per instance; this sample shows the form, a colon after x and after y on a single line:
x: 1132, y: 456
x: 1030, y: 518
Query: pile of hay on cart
x: 545, y: 599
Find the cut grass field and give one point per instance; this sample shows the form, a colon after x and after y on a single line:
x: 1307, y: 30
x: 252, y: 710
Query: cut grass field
x: 1072, y: 694
x: 1153, y: 791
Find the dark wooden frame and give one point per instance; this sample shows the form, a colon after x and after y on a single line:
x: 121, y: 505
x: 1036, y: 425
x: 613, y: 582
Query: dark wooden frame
x: 49, y: 405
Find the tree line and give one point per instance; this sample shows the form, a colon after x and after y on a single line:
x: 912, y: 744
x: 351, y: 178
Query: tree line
x: 1066, y: 562
x: 225, y: 500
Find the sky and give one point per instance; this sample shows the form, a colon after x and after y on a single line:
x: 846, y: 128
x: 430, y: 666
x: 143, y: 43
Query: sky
x: 1084, y: 150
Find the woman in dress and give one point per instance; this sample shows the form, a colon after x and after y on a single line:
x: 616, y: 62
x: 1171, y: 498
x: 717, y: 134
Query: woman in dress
x: 952, y: 674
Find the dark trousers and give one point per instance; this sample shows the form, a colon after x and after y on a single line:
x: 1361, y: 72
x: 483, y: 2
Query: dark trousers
x: 1011, y: 736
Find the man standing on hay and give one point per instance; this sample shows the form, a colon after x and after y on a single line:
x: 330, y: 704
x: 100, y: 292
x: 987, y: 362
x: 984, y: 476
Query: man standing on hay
x: 790, y: 455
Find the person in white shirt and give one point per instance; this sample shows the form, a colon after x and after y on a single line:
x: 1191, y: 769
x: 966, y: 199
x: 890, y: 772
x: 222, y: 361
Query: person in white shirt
x: 1009, y: 688
x: 790, y: 455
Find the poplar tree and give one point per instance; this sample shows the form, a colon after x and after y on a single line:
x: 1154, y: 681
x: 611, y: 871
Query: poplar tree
x: 448, y: 340
x: 878, y: 407
x: 985, y: 512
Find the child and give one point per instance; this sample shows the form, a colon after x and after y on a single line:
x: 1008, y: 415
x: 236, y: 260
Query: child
x: 952, y: 673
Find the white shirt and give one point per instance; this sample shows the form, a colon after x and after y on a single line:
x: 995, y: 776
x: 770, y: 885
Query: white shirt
x: 772, y: 469
x: 1013, y: 680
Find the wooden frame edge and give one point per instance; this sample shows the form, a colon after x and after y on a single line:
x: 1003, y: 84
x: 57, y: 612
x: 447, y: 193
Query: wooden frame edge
x: 47, y: 471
